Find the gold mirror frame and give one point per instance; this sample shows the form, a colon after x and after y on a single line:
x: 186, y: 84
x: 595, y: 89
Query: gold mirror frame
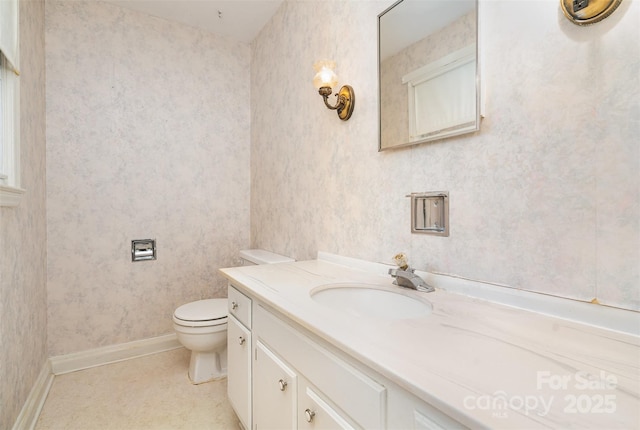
x: 591, y: 11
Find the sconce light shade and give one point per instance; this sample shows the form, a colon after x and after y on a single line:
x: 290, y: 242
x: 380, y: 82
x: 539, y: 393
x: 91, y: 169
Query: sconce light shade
x: 324, y: 80
x: 325, y: 76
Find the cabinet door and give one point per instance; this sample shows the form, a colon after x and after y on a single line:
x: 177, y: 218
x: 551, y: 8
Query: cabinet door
x: 358, y: 396
x: 406, y: 411
x: 315, y: 413
x: 239, y: 370
x: 275, y: 391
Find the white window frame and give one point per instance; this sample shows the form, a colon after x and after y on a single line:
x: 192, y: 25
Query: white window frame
x: 10, y: 191
x: 443, y: 97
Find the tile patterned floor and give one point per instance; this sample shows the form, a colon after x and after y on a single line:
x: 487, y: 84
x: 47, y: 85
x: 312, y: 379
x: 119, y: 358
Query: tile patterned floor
x: 151, y: 392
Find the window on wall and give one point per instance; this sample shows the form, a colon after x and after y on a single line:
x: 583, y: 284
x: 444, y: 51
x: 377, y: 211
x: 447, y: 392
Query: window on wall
x: 10, y: 191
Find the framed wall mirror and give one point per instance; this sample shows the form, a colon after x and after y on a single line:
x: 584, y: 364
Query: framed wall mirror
x: 428, y: 71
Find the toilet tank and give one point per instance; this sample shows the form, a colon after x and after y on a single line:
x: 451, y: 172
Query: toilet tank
x: 260, y: 256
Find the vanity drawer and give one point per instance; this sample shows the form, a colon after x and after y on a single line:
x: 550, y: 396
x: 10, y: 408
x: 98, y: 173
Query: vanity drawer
x: 359, y: 397
x: 239, y: 306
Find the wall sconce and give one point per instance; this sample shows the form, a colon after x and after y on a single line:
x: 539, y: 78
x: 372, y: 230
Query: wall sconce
x: 324, y: 80
x: 586, y: 12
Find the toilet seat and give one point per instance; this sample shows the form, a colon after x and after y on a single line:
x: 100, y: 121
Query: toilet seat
x: 202, y: 313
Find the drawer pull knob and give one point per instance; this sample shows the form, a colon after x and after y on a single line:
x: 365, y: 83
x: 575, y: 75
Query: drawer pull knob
x: 283, y: 385
x: 241, y: 339
x: 234, y: 306
x: 309, y: 414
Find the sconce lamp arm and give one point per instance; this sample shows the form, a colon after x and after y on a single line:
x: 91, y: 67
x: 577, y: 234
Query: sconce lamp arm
x: 345, y: 101
x: 325, y: 96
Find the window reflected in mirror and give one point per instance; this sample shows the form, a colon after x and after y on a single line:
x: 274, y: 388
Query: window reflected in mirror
x: 428, y: 71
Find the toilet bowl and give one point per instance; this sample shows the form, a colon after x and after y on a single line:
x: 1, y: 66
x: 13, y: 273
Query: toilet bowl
x: 201, y: 326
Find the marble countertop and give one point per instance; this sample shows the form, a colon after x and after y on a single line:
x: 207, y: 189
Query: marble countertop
x: 484, y: 364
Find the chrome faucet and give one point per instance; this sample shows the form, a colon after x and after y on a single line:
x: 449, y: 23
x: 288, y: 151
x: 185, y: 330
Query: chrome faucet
x: 404, y: 277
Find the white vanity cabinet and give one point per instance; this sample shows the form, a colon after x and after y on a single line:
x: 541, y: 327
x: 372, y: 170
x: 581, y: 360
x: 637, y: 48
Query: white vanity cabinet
x: 284, y: 377
x: 239, y: 355
x: 340, y: 364
x: 324, y: 390
x: 286, y: 401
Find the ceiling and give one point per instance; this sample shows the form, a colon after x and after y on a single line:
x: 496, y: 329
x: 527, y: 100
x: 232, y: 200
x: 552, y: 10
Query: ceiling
x: 240, y: 20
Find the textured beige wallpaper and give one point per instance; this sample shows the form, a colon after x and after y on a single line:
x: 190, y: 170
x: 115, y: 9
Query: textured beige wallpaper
x: 544, y: 198
x: 23, y: 297
x: 147, y: 137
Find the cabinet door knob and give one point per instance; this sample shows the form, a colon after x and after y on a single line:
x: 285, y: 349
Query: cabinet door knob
x: 234, y: 305
x: 309, y: 414
x: 283, y: 385
x: 241, y: 340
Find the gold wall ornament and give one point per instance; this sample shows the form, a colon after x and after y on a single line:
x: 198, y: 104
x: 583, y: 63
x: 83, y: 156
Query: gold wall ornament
x: 586, y: 12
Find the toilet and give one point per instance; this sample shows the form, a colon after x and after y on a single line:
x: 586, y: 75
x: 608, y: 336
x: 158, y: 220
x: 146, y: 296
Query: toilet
x: 201, y: 326
x: 260, y: 256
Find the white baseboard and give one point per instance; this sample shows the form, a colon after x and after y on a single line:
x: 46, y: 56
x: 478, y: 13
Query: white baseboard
x: 62, y: 364
x: 35, y: 401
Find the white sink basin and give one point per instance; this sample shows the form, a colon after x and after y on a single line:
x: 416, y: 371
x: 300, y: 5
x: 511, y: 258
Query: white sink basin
x: 374, y: 301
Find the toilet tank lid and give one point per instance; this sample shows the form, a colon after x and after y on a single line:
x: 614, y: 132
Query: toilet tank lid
x: 202, y: 310
x: 260, y: 256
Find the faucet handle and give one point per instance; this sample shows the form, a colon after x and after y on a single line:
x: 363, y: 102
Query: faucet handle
x: 394, y: 272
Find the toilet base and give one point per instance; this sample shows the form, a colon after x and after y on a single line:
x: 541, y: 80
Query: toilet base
x: 207, y: 366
